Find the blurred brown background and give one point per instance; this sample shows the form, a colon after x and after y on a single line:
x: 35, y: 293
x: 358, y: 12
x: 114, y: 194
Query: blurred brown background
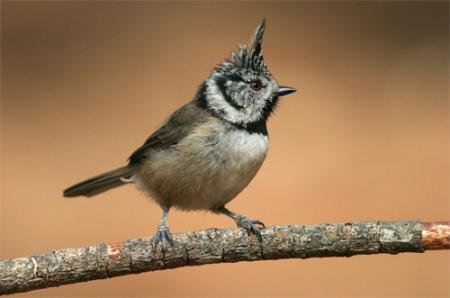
x: 366, y: 137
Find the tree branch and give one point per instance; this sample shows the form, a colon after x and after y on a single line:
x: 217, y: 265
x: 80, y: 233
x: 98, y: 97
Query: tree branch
x: 74, y: 265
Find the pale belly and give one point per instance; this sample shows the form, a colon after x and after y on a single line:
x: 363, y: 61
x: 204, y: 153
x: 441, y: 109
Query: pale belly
x: 203, y: 173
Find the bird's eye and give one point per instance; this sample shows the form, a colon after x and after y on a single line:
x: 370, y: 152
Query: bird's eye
x: 255, y: 85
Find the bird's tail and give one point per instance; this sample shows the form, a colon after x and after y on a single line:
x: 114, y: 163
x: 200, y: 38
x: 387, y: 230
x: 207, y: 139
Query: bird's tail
x: 100, y: 183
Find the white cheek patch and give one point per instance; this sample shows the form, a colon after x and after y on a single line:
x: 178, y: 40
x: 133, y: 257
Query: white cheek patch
x: 217, y: 102
x: 238, y: 94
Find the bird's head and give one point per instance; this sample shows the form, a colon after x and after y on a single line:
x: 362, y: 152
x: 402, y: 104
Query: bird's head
x: 242, y: 90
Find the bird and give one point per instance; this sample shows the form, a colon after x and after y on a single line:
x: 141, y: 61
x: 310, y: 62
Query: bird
x: 209, y: 149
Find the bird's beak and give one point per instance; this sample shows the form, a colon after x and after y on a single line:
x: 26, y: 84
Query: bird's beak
x: 283, y: 90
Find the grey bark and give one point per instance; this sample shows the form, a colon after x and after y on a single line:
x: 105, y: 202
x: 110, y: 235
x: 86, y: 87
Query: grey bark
x: 210, y: 246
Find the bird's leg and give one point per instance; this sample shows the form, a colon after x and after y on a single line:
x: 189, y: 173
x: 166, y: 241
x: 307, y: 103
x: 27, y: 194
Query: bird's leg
x: 163, y: 234
x: 251, y: 226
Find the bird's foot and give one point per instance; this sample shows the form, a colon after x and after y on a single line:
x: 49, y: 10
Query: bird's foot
x: 163, y: 235
x: 251, y: 226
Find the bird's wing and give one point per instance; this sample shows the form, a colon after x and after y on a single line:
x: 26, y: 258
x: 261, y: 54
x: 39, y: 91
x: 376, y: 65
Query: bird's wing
x: 180, y: 124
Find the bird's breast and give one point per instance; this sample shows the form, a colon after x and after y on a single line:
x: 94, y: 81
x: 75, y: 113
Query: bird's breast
x: 206, y: 169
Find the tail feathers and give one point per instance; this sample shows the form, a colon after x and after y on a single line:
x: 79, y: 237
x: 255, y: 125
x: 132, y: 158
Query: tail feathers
x: 100, y: 183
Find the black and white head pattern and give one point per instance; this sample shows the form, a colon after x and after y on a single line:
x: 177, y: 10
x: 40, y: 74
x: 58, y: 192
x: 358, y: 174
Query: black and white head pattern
x: 241, y: 90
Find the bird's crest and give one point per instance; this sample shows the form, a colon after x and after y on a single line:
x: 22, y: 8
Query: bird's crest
x: 249, y: 58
